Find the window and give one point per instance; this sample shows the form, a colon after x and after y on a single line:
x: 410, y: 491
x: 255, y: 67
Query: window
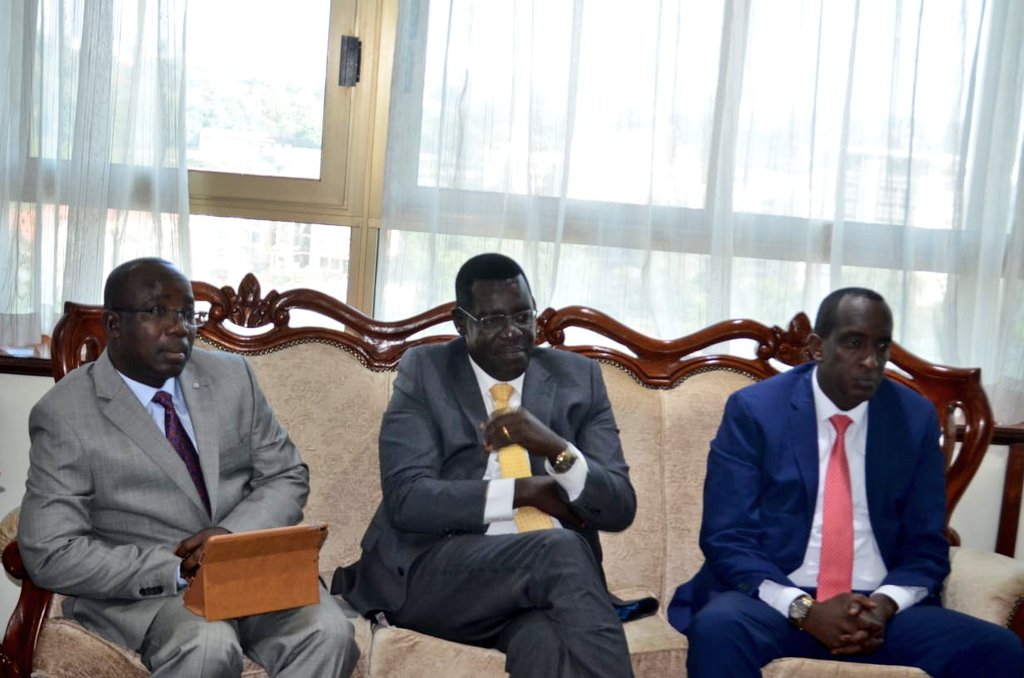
x: 776, y: 132
x: 275, y: 160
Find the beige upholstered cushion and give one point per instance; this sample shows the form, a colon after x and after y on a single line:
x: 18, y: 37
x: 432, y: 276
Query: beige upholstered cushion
x: 398, y: 652
x: 331, y: 407
x: 665, y: 436
x: 9, y: 528
x: 812, y: 668
x: 629, y: 560
x: 68, y: 650
x: 690, y: 420
x: 656, y: 651
x: 984, y: 584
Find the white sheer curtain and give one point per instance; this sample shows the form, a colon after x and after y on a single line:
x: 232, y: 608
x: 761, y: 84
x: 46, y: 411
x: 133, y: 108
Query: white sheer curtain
x: 679, y: 162
x: 92, y: 150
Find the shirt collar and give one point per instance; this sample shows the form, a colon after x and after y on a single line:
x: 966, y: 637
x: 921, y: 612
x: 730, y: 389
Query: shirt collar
x: 486, y: 381
x: 145, y: 392
x: 825, y: 408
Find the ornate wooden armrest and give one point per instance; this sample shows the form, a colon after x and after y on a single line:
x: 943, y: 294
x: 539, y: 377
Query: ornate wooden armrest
x: 27, y: 620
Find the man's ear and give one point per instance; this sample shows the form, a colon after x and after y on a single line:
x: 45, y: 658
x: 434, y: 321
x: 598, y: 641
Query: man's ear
x: 459, y: 319
x: 111, y: 323
x: 814, y: 347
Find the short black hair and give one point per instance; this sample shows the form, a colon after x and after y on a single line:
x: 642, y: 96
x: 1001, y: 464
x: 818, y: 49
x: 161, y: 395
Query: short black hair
x: 489, y: 266
x: 829, y: 309
x: 117, y: 282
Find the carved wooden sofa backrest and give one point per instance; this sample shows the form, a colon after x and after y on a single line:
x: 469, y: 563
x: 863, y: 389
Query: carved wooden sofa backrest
x: 667, y: 396
x: 655, y: 363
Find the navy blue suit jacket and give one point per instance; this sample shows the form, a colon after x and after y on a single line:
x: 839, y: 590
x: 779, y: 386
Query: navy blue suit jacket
x: 762, y: 482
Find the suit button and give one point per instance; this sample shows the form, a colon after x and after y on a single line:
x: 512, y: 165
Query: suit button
x: 401, y: 572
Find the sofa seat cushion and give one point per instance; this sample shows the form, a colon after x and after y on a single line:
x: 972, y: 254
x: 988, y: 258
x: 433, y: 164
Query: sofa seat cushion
x: 397, y: 652
x: 656, y: 650
x: 67, y: 649
x: 816, y: 668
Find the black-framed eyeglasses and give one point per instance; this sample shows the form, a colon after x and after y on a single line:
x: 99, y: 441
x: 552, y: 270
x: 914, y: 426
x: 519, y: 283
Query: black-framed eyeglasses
x: 162, y: 314
x: 495, y: 322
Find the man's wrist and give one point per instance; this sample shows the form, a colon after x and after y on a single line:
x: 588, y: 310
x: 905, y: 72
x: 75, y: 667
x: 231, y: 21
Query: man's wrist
x: 886, y: 606
x: 563, y: 461
x: 800, y: 610
x: 556, y: 448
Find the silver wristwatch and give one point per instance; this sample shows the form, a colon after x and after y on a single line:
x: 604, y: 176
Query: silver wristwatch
x: 799, y: 609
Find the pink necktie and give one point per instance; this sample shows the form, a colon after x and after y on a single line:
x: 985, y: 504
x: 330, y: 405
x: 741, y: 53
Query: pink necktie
x: 836, y: 571
x: 182, y: 444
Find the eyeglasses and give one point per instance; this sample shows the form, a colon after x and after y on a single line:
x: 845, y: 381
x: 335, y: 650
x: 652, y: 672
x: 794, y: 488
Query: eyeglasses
x: 524, y: 320
x: 164, y: 315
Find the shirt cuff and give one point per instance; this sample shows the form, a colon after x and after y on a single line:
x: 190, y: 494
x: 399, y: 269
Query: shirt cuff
x: 573, y: 480
x: 498, y: 504
x: 779, y: 597
x: 903, y: 596
x: 182, y: 583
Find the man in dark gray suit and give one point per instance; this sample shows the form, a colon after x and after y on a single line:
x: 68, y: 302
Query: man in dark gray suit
x: 116, y: 514
x: 445, y: 553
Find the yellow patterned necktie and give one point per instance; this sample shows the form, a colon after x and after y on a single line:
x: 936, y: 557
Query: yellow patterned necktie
x: 514, y: 462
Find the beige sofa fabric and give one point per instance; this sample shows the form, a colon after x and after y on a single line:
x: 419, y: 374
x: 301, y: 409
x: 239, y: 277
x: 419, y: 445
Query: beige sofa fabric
x: 983, y: 584
x: 809, y: 668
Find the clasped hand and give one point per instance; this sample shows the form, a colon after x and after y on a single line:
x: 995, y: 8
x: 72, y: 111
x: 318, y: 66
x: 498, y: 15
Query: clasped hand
x: 850, y: 623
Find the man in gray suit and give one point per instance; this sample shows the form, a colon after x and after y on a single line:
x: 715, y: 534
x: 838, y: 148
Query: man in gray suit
x: 117, y: 515
x: 445, y: 553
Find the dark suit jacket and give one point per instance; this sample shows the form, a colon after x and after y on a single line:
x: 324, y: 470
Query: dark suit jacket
x: 432, y: 461
x: 762, y: 482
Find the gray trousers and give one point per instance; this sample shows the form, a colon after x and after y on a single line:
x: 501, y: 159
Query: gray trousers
x: 315, y: 640
x: 538, y: 596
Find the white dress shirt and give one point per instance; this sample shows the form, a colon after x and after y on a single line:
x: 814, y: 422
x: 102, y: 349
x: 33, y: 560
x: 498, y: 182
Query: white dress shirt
x: 499, y: 515
x: 868, y: 567
x: 145, y: 394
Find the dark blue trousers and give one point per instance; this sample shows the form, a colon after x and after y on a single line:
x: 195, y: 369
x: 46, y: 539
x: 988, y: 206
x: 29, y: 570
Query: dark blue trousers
x: 735, y: 635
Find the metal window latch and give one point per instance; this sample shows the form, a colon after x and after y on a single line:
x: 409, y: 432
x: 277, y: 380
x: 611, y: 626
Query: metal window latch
x: 351, y: 54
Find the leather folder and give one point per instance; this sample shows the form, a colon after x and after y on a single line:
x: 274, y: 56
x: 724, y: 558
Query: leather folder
x: 255, y: 572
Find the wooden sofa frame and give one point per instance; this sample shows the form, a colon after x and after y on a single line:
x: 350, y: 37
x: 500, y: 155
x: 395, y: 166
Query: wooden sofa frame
x: 957, y: 394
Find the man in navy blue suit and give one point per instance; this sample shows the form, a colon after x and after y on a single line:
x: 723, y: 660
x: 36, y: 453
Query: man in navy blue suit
x: 831, y: 473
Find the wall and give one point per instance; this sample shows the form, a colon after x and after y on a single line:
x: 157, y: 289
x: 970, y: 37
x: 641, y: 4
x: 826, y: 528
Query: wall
x: 17, y: 396
x: 975, y: 518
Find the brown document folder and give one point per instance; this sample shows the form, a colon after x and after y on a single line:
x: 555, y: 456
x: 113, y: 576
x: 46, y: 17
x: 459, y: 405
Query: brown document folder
x: 256, y: 572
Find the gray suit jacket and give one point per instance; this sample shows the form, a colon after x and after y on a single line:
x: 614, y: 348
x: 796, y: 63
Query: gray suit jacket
x: 107, y: 498
x: 432, y: 461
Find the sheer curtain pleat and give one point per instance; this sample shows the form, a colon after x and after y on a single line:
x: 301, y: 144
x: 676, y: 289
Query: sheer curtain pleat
x: 92, y: 150
x: 679, y: 162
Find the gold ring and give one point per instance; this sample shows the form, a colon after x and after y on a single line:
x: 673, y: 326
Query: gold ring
x: 504, y: 432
